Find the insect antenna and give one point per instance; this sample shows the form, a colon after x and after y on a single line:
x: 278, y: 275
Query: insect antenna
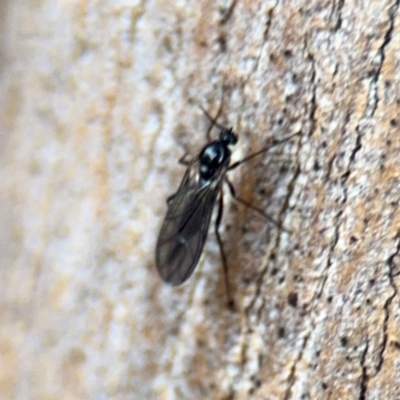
x: 213, y: 121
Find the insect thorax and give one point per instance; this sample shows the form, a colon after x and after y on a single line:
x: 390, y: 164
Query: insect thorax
x: 212, y: 158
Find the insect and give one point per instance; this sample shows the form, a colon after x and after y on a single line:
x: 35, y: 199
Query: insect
x: 184, y: 231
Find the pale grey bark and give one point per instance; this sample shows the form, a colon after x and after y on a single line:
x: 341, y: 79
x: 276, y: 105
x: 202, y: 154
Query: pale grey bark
x: 98, y: 102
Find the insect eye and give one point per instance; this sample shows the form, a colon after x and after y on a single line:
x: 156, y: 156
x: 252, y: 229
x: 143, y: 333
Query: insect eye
x: 228, y: 136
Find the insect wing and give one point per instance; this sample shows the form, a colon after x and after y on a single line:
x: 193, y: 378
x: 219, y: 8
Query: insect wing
x: 185, y: 227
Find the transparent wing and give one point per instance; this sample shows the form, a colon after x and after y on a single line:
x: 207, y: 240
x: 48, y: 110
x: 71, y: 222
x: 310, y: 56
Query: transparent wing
x: 185, y: 228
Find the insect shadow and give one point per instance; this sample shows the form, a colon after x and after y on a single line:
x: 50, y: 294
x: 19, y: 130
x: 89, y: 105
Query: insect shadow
x: 186, y: 224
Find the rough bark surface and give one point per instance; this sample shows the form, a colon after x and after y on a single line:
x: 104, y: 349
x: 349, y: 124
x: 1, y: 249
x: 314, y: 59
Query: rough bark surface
x: 98, y: 101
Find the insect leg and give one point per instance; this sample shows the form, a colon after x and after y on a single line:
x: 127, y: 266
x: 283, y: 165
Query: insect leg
x: 231, y: 303
x: 249, y: 205
x: 184, y: 161
x: 272, y: 144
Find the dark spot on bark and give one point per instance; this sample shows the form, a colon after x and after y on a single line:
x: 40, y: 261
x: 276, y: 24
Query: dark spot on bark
x: 345, y: 176
x: 283, y: 169
x: 298, y: 278
x: 395, y: 344
x: 292, y: 299
x: 343, y: 341
x: 371, y: 73
x: 246, y: 281
x: 281, y: 332
x: 222, y: 43
x: 353, y: 239
x: 274, y: 271
x: 288, y: 53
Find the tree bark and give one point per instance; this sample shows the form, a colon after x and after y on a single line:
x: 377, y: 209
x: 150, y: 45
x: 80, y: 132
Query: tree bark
x: 98, y: 102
